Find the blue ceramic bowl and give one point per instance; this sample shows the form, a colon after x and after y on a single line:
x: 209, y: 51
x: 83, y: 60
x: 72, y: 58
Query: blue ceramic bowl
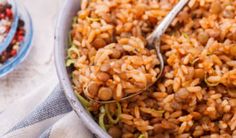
x: 11, y: 33
x: 25, y: 45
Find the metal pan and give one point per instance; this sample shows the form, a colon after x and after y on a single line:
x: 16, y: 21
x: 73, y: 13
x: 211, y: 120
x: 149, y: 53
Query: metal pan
x: 63, y: 26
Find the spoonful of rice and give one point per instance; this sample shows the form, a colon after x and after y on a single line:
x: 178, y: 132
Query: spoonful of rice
x: 123, y: 77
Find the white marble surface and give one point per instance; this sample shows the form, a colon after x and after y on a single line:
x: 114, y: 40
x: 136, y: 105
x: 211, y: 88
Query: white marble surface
x: 39, y: 65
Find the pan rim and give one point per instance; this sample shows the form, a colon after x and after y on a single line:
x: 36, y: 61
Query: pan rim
x: 62, y: 74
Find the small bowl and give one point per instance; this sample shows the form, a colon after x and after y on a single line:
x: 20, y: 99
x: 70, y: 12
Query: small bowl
x: 25, y: 45
x: 12, y: 31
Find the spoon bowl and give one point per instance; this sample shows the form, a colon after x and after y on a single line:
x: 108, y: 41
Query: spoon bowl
x: 154, y: 41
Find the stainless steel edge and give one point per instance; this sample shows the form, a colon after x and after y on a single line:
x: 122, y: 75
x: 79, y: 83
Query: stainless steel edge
x: 70, y: 9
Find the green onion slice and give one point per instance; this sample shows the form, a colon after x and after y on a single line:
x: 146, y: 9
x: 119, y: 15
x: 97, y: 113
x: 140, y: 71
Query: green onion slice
x: 69, y: 62
x: 186, y: 35
x: 141, y: 136
x: 74, y: 20
x: 84, y: 102
x: 69, y: 39
x: 118, y: 112
x: 194, y: 61
x: 101, y: 118
x: 209, y: 83
x: 93, y: 19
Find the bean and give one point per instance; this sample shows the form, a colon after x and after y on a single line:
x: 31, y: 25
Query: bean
x: 105, y: 93
x: 92, y: 89
x: 119, y: 47
x: 199, y: 73
x: 99, y: 43
x: 115, y: 132
x: 182, y: 93
x: 105, y: 67
x: 183, y: 16
x: 103, y: 76
x: 153, y: 20
x: 216, y: 7
x: 115, y: 54
x: 203, y: 37
x: 233, y: 50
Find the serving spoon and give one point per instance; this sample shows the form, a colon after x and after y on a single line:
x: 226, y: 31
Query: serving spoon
x: 154, y: 43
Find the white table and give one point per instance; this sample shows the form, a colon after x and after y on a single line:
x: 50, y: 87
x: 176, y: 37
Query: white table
x: 39, y: 67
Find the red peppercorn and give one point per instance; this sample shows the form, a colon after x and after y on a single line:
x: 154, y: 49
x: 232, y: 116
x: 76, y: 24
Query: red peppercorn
x: 2, y: 16
x: 8, y: 28
x: 9, y: 13
x: 13, y: 52
x: 21, y: 32
x: 20, y: 38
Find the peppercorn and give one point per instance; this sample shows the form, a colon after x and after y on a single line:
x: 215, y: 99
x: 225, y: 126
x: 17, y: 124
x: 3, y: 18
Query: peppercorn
x: 12, y: 49
x: 9, y: 13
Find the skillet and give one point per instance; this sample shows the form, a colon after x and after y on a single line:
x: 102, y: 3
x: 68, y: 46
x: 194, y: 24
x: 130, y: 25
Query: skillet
x: 69, y: 10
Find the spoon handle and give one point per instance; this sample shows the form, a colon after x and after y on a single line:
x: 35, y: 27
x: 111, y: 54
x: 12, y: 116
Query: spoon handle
x: 161, y: 28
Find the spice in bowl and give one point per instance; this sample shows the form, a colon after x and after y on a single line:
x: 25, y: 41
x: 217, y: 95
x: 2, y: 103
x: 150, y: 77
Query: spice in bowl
x: 14, y: 46
x: 6, y: 18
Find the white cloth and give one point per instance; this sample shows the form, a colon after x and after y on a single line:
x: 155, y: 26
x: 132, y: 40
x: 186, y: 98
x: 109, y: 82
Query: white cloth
x: 39, y: 66
x: 45, y: 113
x: 31, y: 102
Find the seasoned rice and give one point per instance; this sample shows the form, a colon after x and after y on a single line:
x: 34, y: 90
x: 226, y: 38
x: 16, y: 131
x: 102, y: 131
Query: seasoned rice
x: 196, y: 96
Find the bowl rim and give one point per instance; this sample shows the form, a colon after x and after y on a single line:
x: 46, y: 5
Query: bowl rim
x: 25, y: 46
x: 59, y: 53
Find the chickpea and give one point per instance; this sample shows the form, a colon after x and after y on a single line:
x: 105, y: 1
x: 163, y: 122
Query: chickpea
x: 103, y: 76
x: 119, y: 47
x: 152, y: 20
x: 233, y: 50
x: 105, y: 67
x: 105, y: 93
x: 203, y: 37
x: 182, y: 93
x: 216, y: 7
x: 115, y: 54
x: 183, y: 16
x: 99, y: 43
x: 123, y: 76
x: 92, y: 89
x: 115, y: 132
x: 199, y: 73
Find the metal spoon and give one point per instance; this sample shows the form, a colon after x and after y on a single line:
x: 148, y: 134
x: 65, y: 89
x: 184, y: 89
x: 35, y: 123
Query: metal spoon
x: 154, y: 43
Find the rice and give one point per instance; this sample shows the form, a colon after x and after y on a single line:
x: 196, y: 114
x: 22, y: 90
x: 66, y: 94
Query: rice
x: 196, y: 95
